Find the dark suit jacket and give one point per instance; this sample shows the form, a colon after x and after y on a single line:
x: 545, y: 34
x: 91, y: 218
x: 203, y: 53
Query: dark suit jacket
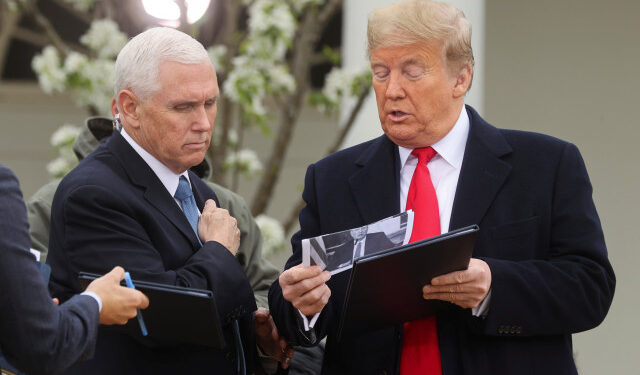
x: 377, y: 242
x: 35, y: 335
x: 539, y: 233
x: 113, y: 210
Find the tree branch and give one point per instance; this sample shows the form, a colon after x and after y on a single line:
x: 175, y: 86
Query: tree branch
x: 337, y: 142
x: 311, y: 26
x: 42, y: 40
x: 7, y: 27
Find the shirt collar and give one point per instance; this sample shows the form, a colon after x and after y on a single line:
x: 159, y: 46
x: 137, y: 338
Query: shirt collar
x: 166, y: 175
x: 451, y: 147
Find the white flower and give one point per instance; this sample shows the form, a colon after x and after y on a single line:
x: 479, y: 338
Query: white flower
x: 272, y: 234
x: 280, y: 79
x: 74, y: 62
x: 60, y: 166
x: 217, y: 55
x: 340, y: 83
x: 50, y: 74
x: 272, y: 16
x: 104, y: 38
x: 65, y: 135
x: 246, y: 161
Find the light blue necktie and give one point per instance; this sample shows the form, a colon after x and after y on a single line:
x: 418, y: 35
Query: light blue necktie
x: 185, y: 196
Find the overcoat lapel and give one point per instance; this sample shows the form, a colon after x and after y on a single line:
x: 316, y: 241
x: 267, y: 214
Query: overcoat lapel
x: 155, y: 193
x: 376, y: 184
x: 483, y: 172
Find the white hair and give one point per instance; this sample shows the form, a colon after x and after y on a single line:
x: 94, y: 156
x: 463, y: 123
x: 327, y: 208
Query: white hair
x: 138, y: 63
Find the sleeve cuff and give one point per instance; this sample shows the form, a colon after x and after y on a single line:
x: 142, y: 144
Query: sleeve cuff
x: 94, y: 296
x: 483, y: 308
x: 308, y: 324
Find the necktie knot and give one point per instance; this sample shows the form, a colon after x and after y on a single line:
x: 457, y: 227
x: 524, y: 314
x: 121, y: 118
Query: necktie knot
x: 184, y: 190
x: 188, y: 202
x: 424, y: 154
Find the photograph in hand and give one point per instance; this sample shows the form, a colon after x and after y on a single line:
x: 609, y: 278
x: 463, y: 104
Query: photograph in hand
x: 336, y: 252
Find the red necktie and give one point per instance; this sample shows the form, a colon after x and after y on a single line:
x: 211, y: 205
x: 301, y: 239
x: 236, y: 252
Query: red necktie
x: 420, y: 350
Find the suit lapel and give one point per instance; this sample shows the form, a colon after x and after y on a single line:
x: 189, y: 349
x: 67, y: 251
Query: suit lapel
x: 155, y: 193
x: 483, y: 172
x: 375, y: 184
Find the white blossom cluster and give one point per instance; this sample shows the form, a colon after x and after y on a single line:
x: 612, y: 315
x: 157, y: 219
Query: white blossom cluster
x: 246, y: 161
x: 51, y: 76
x: 342, y: 83
x: 273, y: 239
x: 260, y: 69
x: 104, y: 38
x: 62, y: 140
x: 90, y: 80
x: 217, y: 55
x: 81, y: 5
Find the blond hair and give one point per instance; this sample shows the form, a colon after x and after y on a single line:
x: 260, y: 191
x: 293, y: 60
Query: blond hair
x: 422, y: 21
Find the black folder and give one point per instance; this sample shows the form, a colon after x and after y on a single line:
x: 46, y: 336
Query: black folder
x: 175, y: 314
x: 386, y: 288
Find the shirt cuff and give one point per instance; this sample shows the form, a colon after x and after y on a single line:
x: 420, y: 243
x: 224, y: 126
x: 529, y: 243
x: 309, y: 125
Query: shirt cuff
x: 483, y: 308
x: 308, y: 325
x: 94, y: 296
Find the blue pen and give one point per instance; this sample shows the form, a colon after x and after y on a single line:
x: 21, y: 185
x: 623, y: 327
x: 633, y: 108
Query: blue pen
x: 143, y: 327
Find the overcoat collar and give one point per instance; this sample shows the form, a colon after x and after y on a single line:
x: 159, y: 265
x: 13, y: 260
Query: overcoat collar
x: 142, y: 176
x: 375, y: 184
x: 376, y: 180
x: 483, y: 172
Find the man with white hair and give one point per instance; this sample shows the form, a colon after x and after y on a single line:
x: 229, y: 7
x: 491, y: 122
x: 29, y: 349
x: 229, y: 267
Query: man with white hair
x: 539, y: 270
x: 134, y: 202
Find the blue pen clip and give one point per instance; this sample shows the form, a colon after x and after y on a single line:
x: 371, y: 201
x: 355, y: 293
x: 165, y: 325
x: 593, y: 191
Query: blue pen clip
x: 143, y: 327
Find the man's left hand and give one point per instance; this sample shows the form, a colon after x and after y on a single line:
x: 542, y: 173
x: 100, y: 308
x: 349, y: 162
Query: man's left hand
x: 464, y: 288
x: 270, y: 340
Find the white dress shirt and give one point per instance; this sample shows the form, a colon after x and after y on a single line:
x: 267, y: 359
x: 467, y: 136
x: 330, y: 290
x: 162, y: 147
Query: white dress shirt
x: 168, y: 178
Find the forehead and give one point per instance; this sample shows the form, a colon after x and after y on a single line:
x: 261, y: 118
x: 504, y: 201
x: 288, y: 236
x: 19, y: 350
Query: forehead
x: 196, y: 81
x: 421, y: 53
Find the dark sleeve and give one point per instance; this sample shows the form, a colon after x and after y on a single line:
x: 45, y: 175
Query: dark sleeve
x: 36, y: 335
x: 572, y: 289
x: 95, y: 229
x: 260, y: 272
x: 286, y: 317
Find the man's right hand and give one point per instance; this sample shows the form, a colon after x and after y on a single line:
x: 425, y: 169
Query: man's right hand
x: 216, y: 224
x: 119, y: 303
x: 306, y: 288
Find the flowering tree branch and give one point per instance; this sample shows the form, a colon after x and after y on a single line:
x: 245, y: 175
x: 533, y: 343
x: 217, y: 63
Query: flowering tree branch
x: 309, y: 31
x: 335, y: 146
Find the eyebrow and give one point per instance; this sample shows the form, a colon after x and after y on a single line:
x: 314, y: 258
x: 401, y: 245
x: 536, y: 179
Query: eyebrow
x: 191, y: 102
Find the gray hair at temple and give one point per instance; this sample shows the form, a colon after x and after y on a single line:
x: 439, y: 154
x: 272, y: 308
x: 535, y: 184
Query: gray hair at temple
x: 422, y: 21
x: 138, y: 63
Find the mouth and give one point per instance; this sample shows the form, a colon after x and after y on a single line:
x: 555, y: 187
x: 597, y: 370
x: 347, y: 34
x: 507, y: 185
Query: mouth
x: 398, y: 115
x: 196, y: 144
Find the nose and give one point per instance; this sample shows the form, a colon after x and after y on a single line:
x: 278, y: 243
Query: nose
x: 395, y: 90
x: 201, y: 120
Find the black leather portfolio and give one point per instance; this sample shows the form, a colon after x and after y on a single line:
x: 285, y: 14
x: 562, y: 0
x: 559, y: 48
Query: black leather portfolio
x: 386, y: 288
x: 175, y: 314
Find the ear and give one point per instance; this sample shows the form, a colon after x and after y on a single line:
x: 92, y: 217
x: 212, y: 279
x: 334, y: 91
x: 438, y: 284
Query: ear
x: 114, y: 107
x: 463, y: 81
x: 129, y: 108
